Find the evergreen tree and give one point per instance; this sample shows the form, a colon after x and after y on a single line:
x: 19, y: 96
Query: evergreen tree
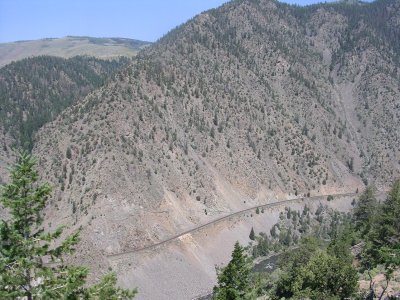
x: 340, y: 245
x: 252, y: 235
x: 312, y: 273
x: 25, y: 247
x: 234, y: 280
x: 365, y: 210
x: 383, y: 241
x: 326, y: 277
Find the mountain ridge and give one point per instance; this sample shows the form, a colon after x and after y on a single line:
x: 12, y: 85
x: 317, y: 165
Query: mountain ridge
x: 33, y: 91
x: 70, y: 46
x: 254, y: 101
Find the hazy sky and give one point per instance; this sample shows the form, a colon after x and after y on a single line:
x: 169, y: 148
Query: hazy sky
x: 138, y: 19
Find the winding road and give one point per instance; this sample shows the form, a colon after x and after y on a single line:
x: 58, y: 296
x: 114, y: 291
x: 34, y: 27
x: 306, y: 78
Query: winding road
x: 215, y: 221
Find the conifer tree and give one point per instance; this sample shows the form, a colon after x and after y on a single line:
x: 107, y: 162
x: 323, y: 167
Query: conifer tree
x: 383, y: 241
x: 365, y: 210
x: 234, y: 280
x: 31, y: 265
x: 312, y: 273
x: 252, y: 235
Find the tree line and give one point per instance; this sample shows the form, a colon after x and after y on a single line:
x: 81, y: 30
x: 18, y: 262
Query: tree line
x: 319, y: 270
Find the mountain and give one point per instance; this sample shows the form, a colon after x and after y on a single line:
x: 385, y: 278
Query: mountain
x: 33, y: 91
x: 242, y: 105
x: 70, y: 46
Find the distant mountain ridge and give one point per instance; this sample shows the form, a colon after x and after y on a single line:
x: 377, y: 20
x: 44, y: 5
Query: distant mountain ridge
x: 70, y: 46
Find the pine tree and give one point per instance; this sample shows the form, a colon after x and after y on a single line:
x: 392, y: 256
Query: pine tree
x: 234, y: 280
x: 383, y: 241
x: 252, y: 235
x: 365, y: 210
x: 312, y: 273
x: 25, y: 247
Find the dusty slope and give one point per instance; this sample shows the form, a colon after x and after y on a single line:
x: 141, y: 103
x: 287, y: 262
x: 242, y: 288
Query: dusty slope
x: 185, y: 268
x: 247, y: 101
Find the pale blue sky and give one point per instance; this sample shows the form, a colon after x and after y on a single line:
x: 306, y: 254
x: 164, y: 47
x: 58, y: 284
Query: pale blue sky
x: 138, y: 19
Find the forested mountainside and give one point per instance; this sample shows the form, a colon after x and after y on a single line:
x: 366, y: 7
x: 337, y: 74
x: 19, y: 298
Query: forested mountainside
x: 253, y: 99
x: 70, y: 46
x: 35, y: 90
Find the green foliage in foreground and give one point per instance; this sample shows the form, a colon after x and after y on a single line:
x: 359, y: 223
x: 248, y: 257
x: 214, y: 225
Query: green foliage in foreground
x: 25, y: 247
x: 234, y: 280
x: 317, y: 270
x: 309, y: 272
x: 313, y: 273
x: 382, y: 239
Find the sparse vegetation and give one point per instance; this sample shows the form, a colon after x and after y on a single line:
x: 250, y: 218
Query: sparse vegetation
x: 242, y: 103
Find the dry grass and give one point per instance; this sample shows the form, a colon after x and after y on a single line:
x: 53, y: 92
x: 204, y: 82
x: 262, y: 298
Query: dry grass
x: 68, y: 47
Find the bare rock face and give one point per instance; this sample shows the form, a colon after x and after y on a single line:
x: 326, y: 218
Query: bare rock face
x: 252, y: 100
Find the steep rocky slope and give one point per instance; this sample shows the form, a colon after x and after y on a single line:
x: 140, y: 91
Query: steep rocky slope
x: 252, y: 100
x: 35, y: 90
